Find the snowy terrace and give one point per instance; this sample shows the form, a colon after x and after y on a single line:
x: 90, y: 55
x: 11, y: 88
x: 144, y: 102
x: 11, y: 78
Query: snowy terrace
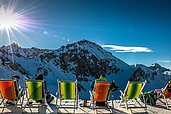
x: 52, y: 109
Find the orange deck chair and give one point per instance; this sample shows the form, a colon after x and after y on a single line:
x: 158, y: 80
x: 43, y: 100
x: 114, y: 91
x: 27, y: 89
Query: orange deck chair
x: 165, y: 94
x: 99, y: 93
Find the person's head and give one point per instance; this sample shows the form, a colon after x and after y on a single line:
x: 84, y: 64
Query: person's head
x: 39, y: 77
x: 15, y: 77
x: 102, y: 76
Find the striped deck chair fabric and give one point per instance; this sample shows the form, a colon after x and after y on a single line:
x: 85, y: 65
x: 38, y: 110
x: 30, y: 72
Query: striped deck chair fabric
x: 101, y: 91
x: 133, y: 90
x: 35, y: 89
x: 67, y: 90
x: 7, y: 89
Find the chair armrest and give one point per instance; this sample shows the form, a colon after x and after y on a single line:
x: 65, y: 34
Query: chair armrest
x: 78, y: 96
x: 121, y: 92
x: 141, y: 93
x: 91, y: 93
x: 162, y: 92
x: 20, y: 93
x: 57, y: 93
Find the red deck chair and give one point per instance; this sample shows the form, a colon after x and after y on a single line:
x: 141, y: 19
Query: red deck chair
x: 8, y: 92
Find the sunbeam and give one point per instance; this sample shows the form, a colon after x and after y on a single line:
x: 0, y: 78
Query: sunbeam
x: 17, y: 22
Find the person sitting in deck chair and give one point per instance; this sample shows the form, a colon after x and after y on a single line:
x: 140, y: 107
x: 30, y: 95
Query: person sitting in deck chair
x: 112, y: 88
x: 17, y: 88
x: 102, y: 78
x: 16, y: 78
x: 49, y: 98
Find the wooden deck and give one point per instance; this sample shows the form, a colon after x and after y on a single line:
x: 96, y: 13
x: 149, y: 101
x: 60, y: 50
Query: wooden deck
x: 51, y: 109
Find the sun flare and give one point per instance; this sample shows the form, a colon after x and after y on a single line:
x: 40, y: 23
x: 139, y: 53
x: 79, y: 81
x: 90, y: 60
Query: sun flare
x: 17, y: 23
x: 8, y: 20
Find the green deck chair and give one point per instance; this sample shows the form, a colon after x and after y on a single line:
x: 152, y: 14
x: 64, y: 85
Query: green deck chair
x: 67, y: 90
x: 132, y: 92
x: 8, y: 93
x: 34, y: 90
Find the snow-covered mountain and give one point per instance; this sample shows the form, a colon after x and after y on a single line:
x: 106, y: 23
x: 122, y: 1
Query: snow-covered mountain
x: 156, y: 75
x: 83, y: 60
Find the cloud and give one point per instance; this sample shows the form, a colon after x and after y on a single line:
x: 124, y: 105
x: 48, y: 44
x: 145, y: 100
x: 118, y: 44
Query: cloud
x: 123, y: 49
x: 164, y: 61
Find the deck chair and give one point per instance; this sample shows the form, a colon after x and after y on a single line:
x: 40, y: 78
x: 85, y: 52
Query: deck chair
x: 67, y: 90
x: 8, y: 93
x: 34, y: 91
x: 132, y: 92
x: 165, y: 94
x: 99, y: 93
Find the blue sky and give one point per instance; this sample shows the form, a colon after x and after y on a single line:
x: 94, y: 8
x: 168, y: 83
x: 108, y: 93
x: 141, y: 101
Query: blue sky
x: 122, y: 23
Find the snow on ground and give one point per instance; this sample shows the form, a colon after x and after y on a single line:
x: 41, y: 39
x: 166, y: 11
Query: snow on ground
x: 113, y: 108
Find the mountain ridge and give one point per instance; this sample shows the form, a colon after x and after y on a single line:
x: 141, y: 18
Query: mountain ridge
x: 83, y: 60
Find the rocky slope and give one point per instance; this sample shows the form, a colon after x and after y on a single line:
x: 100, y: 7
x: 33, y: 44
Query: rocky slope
x: 156, y: 75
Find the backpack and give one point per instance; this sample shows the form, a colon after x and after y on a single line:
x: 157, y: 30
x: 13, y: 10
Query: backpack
x: 150, y: 98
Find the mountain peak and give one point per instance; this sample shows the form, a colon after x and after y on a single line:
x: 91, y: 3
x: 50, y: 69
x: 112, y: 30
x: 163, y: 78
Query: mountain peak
x: 88, y: 43
x: 14, y: 45
x: 156, y: 65
x: 84, y: 41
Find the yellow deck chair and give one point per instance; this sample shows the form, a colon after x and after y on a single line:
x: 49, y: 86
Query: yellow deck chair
x: 132, y: 92
x: 67, y: 90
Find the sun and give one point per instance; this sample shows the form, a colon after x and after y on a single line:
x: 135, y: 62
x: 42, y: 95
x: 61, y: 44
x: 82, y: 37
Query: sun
x: 18, y: 23
x: 8, y: 20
